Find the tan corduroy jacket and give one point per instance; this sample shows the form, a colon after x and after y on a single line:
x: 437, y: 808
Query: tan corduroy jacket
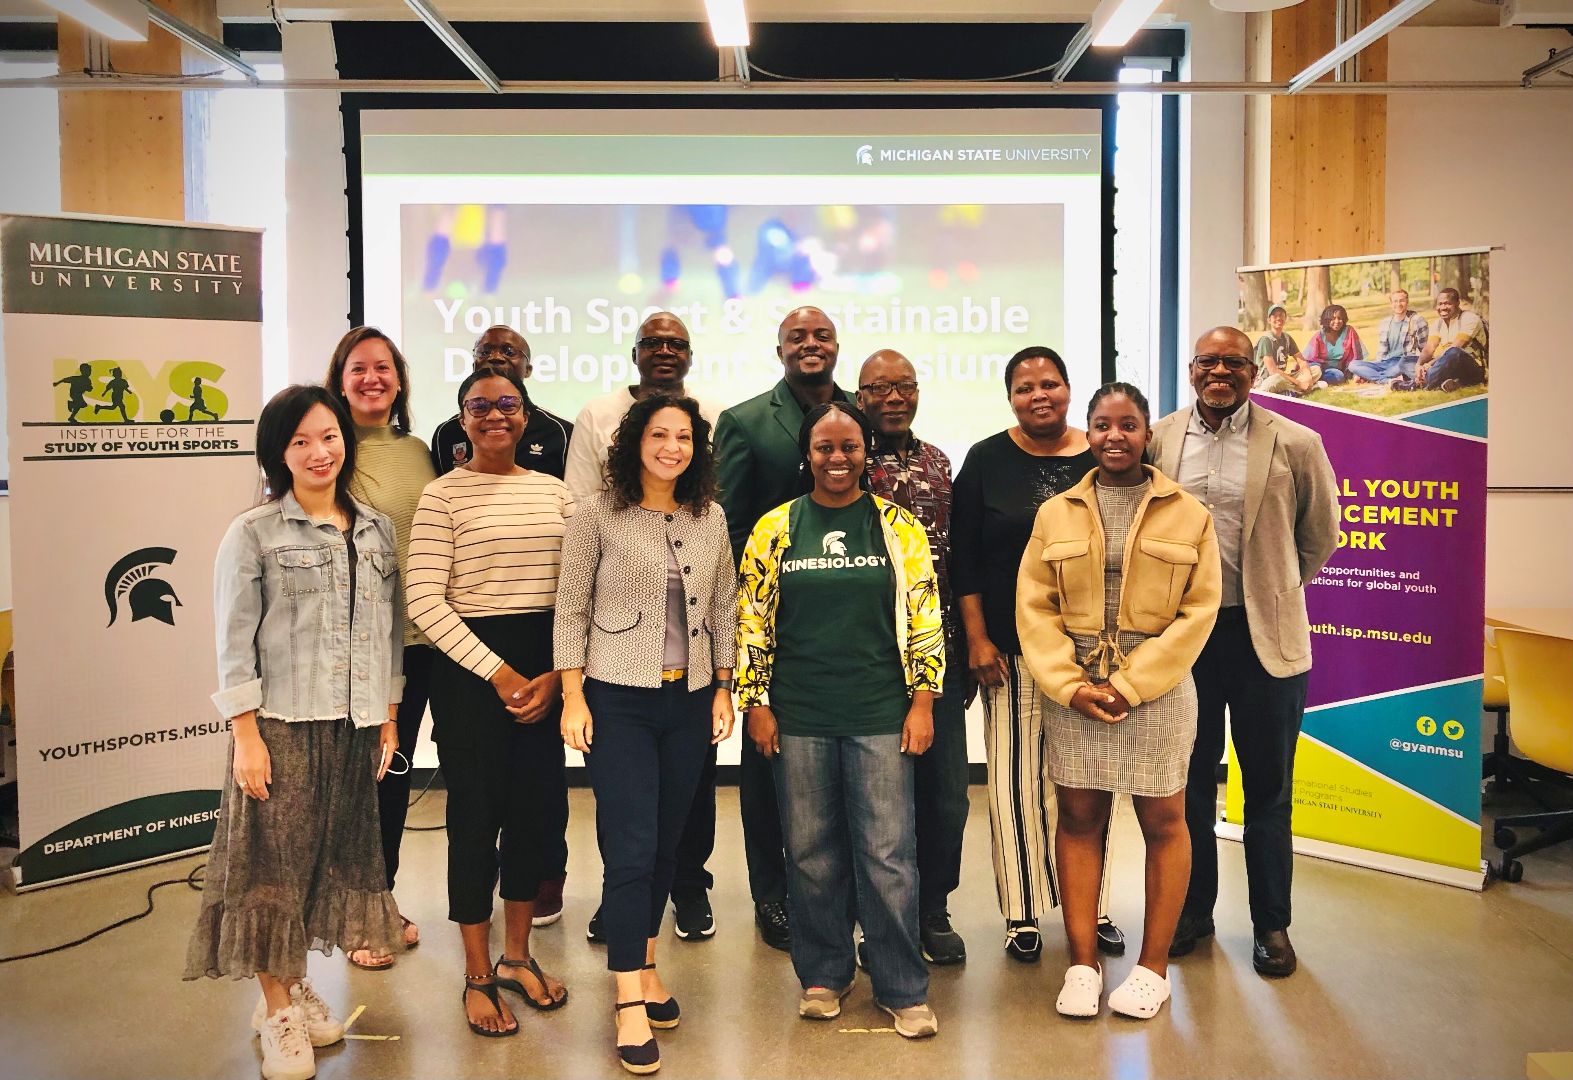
x: 1290, y: 528
x: 1171, y: 583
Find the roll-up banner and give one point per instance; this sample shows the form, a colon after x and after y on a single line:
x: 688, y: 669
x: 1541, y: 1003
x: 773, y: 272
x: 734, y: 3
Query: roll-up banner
x: 133, y: 356
x: 1388, y: 359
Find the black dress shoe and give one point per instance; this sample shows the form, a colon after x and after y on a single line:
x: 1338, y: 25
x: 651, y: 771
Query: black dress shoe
x: 1192, y: 929
x: 1273, y: 955
x: 774, y: 929
x: 593, y: 932
x: 1111, y: 939
x: 1023, y: 943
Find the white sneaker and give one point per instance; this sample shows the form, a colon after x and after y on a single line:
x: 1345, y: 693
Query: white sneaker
x: 286, y: 1049
x: 322, y: 1027
x: 1141, y: 995
x: 1081, y: 993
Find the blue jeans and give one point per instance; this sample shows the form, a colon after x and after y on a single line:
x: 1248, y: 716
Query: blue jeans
x: 649, y: 747
x: 1454, y: 364
x: 851, y: 843
x: 1333, y: 376
x: 1384, y: 370
x: 939, y: 786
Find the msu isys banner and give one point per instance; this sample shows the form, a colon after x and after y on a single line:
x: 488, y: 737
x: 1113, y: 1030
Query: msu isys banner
x: 1388, y: 358
x: 133, y: 379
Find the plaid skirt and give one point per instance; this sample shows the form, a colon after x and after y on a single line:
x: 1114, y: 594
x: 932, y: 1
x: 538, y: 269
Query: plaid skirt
x: 303, y: 869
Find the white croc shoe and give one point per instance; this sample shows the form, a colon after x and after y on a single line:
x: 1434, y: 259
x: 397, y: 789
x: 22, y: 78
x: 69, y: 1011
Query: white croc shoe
x: 322, y: 1027
x: 286, y: 1049
x: 1141, y: 995
x: 1081, y: 993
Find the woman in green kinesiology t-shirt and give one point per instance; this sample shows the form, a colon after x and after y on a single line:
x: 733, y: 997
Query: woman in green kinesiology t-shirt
x: 841, y: 654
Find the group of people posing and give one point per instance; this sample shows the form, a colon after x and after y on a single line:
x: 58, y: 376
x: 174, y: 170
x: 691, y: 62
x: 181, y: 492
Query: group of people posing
x: 622, y: 583
x: 1446, y: 353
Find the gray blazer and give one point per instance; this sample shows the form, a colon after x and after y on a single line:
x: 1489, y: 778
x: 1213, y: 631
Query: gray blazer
x: 611, y: 593
x: 1290, y: 528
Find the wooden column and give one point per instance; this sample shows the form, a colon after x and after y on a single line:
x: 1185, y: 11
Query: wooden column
x: 123, y: 152
x: 1328, y: 154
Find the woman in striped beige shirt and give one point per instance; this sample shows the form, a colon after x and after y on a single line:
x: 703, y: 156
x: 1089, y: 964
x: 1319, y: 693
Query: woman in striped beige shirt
x: 485, y: 550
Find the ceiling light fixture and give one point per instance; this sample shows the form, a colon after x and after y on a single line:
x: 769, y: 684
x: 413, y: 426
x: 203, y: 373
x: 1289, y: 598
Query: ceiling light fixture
x: 728, y: 23
x: 1115, y: 22
x: 117, y: 20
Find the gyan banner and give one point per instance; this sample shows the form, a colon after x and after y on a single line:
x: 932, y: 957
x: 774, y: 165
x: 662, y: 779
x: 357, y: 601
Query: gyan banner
x: 133, y: 357
x: 1387, y: 358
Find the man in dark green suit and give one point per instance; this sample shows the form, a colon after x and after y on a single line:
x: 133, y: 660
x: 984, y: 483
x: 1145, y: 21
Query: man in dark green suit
x: 757, y: 458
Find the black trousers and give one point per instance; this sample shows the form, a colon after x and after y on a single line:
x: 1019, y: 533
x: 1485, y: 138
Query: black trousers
x: 939, y: 794
x: 698, y: 839
x: 393, y: 794
x: 502, y: 775
x: 1265, y: 714
x: 763, y: 844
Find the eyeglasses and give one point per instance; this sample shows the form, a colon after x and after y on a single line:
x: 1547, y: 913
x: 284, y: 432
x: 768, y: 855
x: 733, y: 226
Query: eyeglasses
x: 1233, y: 363
x: 501, y: 348
x: 906, y: 388
x: 653, y: 344
x: 480, y: 407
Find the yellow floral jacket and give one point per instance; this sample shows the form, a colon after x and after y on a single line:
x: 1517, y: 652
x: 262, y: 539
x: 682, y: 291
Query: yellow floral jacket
x: 919, y: 631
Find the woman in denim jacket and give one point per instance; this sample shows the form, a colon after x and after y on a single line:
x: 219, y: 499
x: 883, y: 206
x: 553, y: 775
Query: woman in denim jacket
x: 306, y: 592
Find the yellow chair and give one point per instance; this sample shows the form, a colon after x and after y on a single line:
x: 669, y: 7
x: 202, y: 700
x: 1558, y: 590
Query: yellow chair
x: 1498, y: 766
x: 1540, y: 682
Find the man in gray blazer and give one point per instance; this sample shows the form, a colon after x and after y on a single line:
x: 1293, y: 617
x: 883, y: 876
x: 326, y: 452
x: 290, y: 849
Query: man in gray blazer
x: 1273, y: 496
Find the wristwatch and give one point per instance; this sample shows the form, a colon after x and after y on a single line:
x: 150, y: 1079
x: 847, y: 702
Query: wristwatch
x: 728, y: 685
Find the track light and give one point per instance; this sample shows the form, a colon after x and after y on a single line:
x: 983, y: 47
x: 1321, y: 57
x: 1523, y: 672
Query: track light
x: 728, y: 22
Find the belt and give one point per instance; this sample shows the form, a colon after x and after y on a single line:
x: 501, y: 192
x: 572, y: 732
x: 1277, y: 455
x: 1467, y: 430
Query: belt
x: 675, y: 675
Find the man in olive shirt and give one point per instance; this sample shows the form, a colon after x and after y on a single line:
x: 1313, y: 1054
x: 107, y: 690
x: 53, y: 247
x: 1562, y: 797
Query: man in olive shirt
x: 1273, y: 497
x: 757, y: 461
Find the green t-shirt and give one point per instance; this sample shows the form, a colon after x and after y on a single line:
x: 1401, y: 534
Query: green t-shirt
x: 837, y: 668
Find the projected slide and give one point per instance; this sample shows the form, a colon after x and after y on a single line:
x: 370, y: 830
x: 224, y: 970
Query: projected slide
x: 954, y: 238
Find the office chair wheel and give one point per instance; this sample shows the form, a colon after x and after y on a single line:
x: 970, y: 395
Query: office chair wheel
x: 1504, y: 837
x: 1512, y: 870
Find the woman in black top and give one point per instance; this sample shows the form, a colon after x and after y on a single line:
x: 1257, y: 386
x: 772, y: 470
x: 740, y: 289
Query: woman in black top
x: 996, y: 496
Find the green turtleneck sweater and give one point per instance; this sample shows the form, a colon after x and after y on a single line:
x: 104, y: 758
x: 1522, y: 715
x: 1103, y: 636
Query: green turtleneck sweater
x: 391, y: 471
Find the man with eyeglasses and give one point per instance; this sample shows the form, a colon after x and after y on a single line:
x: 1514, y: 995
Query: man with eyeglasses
x: 1273, y: 497
x: 757, y: 466
x: 544, y: 445
x: 916, y: 476
x: 663, y: 354
x: 544, y: 448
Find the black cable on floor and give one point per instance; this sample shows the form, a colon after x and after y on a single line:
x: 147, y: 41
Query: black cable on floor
x: 190, y: 879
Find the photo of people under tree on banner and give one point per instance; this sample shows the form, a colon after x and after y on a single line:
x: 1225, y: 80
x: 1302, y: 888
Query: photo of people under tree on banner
x: 1387, y: 359
x: 1388, y: 336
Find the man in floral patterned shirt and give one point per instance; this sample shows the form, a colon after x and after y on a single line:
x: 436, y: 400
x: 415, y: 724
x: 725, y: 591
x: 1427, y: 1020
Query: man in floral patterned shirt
x: 916, y: 476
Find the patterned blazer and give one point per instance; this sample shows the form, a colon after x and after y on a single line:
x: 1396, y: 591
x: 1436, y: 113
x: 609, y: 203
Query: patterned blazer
x: 920, y: 632
x: 611, y: 593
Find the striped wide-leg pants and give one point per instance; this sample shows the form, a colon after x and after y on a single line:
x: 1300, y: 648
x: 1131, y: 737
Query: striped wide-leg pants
x: 1022, y: 807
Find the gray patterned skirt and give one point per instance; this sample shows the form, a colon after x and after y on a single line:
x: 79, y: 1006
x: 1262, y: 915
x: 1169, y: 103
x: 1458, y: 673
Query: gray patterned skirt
x: 1148, y: 753
x: 302, y: 870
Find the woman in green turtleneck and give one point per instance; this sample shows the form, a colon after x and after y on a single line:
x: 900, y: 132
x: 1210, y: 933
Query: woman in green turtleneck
x: 392, y: 466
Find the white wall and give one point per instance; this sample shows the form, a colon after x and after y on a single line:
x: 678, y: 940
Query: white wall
x: 1511, y: 184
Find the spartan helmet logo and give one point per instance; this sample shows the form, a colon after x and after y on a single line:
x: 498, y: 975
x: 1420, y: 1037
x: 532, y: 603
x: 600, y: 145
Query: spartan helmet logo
x: 136, y: 580
x: 832, y: 544
x: 865, y: 154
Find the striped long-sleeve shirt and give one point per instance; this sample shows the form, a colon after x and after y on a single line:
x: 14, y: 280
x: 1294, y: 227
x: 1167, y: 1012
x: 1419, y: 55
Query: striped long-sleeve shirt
x: 484, y: 545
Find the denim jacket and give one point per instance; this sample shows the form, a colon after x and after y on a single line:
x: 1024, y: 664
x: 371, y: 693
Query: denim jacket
x: 286, y: 644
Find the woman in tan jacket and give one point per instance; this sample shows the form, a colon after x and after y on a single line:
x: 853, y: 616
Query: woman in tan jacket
x: 1118, y: 590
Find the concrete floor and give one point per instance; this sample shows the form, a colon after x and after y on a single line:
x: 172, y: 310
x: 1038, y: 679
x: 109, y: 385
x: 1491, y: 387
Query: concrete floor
x: 1398, y: 978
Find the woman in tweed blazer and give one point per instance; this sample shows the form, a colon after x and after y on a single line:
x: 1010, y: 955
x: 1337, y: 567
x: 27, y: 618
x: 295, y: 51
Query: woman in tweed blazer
x: 645, y: 638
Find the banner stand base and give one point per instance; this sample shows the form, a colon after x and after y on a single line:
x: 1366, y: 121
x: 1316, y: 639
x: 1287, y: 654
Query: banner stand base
x: 1373, y: 860
x: 22, y: 887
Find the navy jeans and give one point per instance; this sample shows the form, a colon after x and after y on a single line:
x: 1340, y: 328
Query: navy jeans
x: 648, y: 746
x: 939, y: 785
x: 1384, y: 370
x: 851, y: 845
x: 1457, y: 365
